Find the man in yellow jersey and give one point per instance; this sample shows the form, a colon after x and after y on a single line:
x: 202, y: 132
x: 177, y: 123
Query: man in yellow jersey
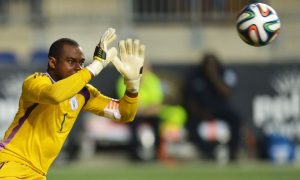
x: 50, y: 103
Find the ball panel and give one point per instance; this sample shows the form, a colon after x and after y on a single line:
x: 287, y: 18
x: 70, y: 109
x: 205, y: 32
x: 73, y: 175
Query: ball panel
x: 245, y: 16
x: 253, y: 34
x: 272, y: 26
x: 264, y: 10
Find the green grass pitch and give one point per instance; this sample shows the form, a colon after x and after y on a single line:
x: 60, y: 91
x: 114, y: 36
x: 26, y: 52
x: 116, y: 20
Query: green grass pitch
x: 178, y: 171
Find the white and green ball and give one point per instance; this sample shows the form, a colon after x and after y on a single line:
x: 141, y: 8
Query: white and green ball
x: 258, y: 24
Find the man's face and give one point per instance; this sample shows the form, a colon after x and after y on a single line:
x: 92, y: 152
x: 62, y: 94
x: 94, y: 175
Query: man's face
x: 70, y: 61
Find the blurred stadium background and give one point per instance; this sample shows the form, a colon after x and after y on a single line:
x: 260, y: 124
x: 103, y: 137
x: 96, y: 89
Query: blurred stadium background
x: 176, y: 33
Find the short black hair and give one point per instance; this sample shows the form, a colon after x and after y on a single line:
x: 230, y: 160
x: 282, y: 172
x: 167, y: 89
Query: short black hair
x: 56, y: 47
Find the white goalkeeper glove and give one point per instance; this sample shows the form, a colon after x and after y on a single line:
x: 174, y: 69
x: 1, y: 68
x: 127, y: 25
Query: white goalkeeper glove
x: 102, y: 56
x: 131, y: 64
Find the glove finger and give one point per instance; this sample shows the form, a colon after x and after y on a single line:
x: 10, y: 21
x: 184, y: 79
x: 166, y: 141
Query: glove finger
x: 111, y: 36
x: 129, y: 46
x: 118, y: 64
x: 102, y: 41
x: 104, y: 36
x: 122, y: 49
x: 136, y: 44
x: 108, y: 36
x: 108, y: 33
x: 142, y: 51
x: 112, y: 52
x: 111, y: 31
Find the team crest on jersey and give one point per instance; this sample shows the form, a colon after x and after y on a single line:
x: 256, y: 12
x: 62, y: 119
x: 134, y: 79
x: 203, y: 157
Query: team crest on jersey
x: 74, y: 103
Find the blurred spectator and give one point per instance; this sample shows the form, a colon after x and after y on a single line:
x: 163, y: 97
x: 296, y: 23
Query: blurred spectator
x: 144, y: 129
x: 36, y: 12
x: 172, y: 132
x: 208, y: 92
x: 4, y: 11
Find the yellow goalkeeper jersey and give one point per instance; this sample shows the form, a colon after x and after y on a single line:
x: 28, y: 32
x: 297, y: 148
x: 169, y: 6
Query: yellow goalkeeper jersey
x: 47, y: 112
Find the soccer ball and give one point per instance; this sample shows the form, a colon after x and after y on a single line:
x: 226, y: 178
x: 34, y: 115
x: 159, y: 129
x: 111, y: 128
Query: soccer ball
x: 258, y: 24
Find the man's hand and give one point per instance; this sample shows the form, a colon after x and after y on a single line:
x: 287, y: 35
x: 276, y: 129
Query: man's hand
x: 103, y: 56
x: 131, y: 64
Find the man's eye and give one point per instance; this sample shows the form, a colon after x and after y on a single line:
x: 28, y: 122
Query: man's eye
x: 71, y: 62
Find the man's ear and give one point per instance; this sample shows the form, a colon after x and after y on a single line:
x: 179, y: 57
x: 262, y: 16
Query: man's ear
x: 52, y: 62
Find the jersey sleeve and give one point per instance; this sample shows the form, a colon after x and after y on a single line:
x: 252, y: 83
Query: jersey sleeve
x: 122, y: 110
x: 39, y: 88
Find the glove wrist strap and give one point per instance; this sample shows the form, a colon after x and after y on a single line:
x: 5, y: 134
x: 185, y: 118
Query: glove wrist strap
x: 132, y: 85
x: 99, y: 53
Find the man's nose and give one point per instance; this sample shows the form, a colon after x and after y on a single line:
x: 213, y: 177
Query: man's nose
x: 79, y: 66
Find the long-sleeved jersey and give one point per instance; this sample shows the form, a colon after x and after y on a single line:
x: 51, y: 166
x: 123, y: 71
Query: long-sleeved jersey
x: 47, y: 112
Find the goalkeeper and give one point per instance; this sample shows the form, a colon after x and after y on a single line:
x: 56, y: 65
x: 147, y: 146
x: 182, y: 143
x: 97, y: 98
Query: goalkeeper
x: 50, y: 103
